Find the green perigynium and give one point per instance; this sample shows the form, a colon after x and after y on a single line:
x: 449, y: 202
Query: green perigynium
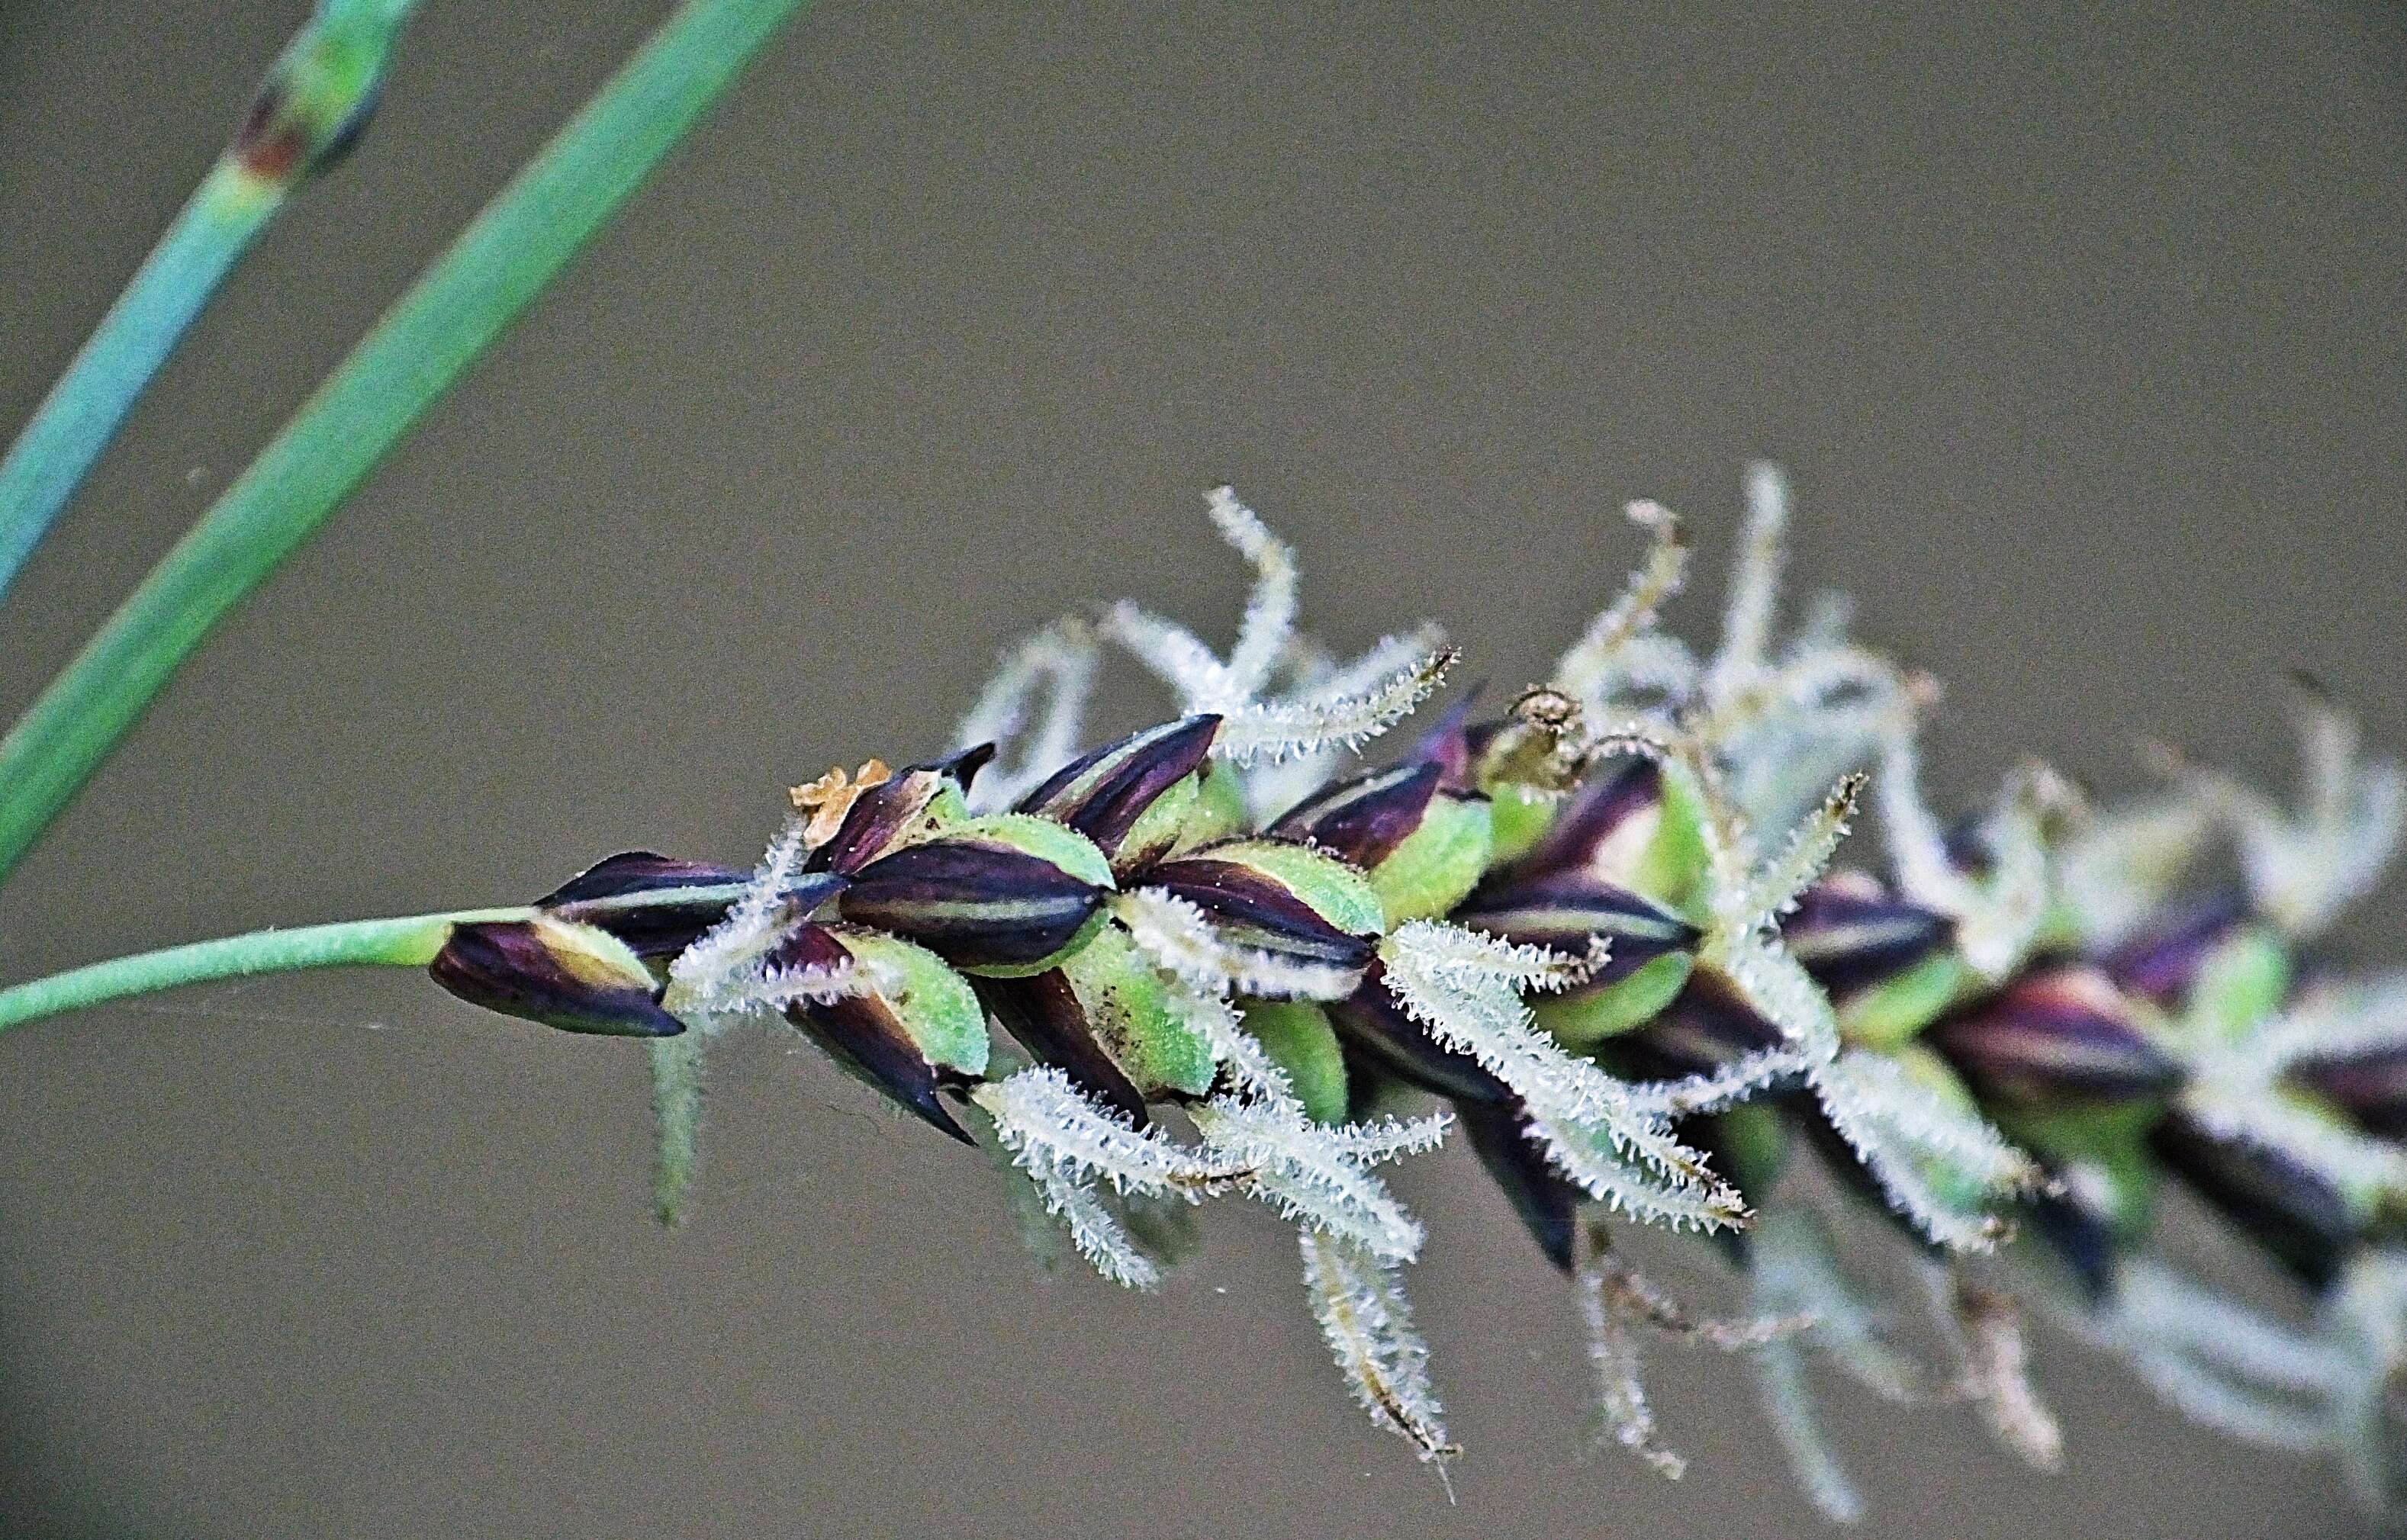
x: 1599, y: 932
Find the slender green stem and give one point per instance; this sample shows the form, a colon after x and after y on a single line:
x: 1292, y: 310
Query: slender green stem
x: 313, y: 102
x: 409, y: 941
x: 470, y: 295
x: 81, y: 414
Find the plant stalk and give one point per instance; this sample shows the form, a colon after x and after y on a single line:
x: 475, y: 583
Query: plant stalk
x: 409, y: 941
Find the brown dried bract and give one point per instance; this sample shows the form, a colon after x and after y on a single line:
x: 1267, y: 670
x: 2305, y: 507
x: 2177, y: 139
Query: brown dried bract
x: 828, y: 799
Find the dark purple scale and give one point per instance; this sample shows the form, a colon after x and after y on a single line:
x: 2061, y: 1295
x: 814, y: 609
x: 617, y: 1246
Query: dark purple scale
x: 973, y: 901
x: 863, y: 1036
x: 1104, y: 795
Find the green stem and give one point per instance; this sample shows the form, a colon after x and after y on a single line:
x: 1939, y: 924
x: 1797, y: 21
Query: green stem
x: 321, y: 89
x: 81, y: 414
x: 470, y: 295
x: 409, y: 941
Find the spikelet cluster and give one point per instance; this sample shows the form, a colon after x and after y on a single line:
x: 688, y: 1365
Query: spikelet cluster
x: 1625, y: 935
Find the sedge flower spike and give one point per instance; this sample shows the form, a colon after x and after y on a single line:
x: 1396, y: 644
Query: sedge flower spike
x: 1624, y: 936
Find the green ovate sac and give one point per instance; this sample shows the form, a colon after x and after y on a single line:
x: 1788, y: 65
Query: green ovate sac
x: 1328, y: 887
x: 1889, y: 1013
x: 1167, y: 822
x: 1954, y: 1187
x: 1127, y: 1007
x: 1520, y: 817
x: 1299, y: 1039
x: 2108, y: 1144
x: 933, y: 1004
x: 1673, y: 865
x: 1438, y: 863
x: 1751, y: 1145
x: 1585, y: 1018
x: 2243, y: 982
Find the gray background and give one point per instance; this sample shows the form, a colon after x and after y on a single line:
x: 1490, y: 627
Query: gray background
x: 2079, y: 325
